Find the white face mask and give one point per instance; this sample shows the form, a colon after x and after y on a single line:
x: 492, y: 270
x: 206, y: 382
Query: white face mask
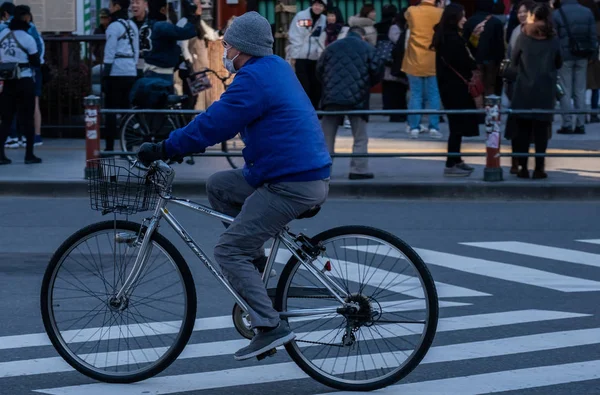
x: 228, y: 63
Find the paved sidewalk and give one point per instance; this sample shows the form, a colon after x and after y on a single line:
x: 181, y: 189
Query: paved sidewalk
x: 62, y: 172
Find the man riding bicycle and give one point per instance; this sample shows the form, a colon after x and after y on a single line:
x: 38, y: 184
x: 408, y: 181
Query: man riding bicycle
x: 286, y: 173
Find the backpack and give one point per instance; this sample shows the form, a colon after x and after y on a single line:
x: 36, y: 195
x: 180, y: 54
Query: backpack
x: 11, y: 70
x: 398, y: 56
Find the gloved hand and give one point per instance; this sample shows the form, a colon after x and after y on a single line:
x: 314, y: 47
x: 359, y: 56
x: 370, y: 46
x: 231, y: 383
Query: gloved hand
x: 150, y: 152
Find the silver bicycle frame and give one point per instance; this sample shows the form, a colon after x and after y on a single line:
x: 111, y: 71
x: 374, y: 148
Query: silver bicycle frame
x: 282, y: 238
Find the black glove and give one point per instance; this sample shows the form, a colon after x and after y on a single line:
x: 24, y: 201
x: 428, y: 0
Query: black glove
x: 150, y: 152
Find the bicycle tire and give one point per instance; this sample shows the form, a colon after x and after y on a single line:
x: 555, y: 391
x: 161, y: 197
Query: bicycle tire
x: 432, y: 299
x: 186, y: 328
x: 154, y: 137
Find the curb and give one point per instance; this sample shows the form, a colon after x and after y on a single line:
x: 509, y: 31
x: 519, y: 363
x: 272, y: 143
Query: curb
x: 505, y: 190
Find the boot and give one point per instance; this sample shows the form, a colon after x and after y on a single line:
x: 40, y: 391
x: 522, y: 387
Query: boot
x: 514, y: 168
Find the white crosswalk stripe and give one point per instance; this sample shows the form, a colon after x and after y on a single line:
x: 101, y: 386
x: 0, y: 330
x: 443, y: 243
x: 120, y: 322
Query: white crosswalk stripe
x: 546, y: 330
x: 541, y: 251
x: 592, y: 241
x: 287, y: 371
x: 499, y: 270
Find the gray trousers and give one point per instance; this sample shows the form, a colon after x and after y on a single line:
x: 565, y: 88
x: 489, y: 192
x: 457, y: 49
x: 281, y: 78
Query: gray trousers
x: 259, y: 215
x: 330, y: 124
x: 573, y: 75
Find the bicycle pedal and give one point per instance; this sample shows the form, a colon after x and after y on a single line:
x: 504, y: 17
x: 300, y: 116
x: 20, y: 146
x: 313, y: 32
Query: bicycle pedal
x: 265, y: 354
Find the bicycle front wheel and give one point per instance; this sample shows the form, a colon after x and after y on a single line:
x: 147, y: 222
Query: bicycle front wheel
x: 395, y: 319
x: 117, y: 341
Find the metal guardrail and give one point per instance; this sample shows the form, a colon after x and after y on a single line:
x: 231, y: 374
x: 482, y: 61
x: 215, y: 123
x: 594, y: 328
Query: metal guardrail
x: 385, y: 112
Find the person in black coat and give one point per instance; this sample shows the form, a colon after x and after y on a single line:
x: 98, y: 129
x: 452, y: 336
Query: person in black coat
x: 537, y: 57
x: 490, y: 50
x: 348, y: 69
x: 454, y: 68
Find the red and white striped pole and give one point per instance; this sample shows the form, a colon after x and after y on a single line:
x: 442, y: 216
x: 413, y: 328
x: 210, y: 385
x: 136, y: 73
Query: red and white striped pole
x: 492, y: 171
x: 92, y: 134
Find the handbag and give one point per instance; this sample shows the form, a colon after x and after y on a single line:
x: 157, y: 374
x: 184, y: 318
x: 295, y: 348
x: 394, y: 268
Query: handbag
x: 474, y: 85
x: 576, y: 48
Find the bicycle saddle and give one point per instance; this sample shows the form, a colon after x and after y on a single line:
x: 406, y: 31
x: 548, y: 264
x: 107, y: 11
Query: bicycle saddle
x: 176, y: 99
x: 311, y: 212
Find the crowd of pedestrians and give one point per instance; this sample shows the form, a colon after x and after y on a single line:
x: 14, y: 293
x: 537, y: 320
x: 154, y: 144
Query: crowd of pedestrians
x: 430, y: 55
x: 537, y: 54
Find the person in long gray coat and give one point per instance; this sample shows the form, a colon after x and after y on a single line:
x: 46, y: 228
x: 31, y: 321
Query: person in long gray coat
x: 537, y: 57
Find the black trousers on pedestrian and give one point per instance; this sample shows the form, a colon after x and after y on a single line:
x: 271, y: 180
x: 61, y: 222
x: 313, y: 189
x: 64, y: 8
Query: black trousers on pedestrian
x: 393, y: 95
x: 454, y: 143
x: 116, y: 95
x: 526, y: 129
x: 18, y: 100
x: 306, y: 71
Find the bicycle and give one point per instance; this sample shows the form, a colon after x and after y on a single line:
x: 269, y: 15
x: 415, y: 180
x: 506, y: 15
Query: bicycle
x: 331, y: 301
x: 137, y: 129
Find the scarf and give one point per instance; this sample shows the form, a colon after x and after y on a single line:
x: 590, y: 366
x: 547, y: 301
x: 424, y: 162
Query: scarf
x: 332, y: 31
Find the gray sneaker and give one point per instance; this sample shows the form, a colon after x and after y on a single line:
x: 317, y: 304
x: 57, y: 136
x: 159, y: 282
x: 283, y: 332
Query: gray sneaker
x: 456, y: 171
x: 265, y: 341
x: 464, y: 166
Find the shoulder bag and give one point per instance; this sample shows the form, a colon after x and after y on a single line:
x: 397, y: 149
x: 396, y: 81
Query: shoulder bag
x: 474, y: 85
x: 577, y: 49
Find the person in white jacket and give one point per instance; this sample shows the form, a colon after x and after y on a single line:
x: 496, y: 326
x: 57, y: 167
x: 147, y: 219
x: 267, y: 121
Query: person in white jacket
x: 121, y: 55
x: 305, y: 47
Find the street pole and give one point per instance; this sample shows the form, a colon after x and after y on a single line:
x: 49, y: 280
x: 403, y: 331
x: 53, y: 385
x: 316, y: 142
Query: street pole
x: 92, y: 134
x: 492, y: 171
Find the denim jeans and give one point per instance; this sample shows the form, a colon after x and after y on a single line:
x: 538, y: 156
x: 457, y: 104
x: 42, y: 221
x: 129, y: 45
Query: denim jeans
x: 573, y: 75
x: 423, y: 89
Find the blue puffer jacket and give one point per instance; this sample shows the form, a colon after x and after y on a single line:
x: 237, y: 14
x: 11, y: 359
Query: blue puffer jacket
x: 582, y: 25
x: 267, y: 105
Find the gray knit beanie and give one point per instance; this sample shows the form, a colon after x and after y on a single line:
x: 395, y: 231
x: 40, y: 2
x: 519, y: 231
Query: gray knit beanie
x: 250, y: 34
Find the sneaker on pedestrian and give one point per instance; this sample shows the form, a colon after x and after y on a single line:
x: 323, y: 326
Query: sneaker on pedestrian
x: 579, y: 130
x: 22, y: 142
x: 414, y: 133
x: 12, y: 142
x: 464, y: 166
x: 361, y: 176
x: 37, y: 141
x: 32, y: 160
x: 347, y: 124
x: 435, y: 134
x: 264, y: 341
x: 456, y: 171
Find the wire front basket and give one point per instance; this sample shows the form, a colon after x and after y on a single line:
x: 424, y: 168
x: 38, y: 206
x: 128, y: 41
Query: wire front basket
x: 120, y: 189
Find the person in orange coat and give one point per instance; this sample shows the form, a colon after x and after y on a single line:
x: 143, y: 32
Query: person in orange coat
x: 419, y: 65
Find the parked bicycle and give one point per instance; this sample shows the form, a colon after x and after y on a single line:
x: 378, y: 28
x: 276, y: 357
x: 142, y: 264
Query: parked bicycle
x: 118, y: 300
x: 137, y: 129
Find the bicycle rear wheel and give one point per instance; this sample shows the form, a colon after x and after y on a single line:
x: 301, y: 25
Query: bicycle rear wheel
x: 117, y: 341
x: 397, y: 313
x: 235, y: 145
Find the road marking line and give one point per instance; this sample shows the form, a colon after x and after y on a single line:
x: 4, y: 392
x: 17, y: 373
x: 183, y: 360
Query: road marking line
x: 57, y: 364
x: 505, y: 271
x: 507, y: 380
x: 541, y: 251
x: 407, y: 285
x: 169, y: 327
x: 287, y: 371
x: 594, y: 241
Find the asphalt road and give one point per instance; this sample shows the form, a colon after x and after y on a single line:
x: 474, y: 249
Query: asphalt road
x: 529, y: 326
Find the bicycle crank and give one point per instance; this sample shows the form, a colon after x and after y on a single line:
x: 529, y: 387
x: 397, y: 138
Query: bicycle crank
x: 241, y: 321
